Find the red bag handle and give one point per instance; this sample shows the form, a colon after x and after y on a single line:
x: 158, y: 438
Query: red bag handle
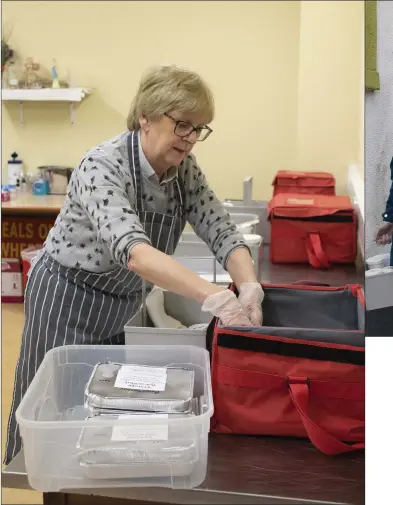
x: 316, y: 255
x: 322, y: 440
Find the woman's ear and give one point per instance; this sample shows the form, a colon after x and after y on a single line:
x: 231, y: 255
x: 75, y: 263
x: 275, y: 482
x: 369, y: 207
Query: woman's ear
x: 143, y: 123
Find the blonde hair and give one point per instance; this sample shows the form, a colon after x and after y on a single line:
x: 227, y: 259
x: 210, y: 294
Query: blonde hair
x: 168, y: 88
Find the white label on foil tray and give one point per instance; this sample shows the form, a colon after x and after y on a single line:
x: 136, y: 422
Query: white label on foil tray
x: 143, y: 432
x: 141, y: 378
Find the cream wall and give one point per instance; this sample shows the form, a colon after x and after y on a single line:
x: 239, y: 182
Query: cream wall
x: 330, y: 120
x: 280, y: 102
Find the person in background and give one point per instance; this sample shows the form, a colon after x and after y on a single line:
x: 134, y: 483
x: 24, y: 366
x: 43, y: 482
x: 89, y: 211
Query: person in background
x: 385, y: 230
x: 127, y: 205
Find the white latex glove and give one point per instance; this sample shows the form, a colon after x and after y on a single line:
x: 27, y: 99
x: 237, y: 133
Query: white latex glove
x: 251, y: 297
x: 227, y: 308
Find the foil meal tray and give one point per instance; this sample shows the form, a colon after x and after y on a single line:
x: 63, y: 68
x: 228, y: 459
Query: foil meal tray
x: 103, y: 443
x: 101, y: 392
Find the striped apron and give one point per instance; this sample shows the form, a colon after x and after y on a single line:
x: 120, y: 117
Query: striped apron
x: 66, y: 306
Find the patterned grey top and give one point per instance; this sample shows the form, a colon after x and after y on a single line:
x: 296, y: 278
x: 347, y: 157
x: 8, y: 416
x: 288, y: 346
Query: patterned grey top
x: 98, y: 224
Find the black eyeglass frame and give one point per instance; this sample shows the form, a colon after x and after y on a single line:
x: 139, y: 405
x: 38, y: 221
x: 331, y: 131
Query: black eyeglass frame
x: 192, y: 128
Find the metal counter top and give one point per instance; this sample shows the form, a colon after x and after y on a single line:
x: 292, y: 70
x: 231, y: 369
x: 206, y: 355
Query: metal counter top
x: 338, y: 275
x: 31, y: 205
x: 250, y: 470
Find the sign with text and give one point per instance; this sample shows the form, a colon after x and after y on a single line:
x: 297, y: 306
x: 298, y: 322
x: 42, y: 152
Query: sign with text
x: 18, y: 233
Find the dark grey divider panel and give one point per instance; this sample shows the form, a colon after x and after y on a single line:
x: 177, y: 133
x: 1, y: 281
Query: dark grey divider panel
x: 296, y: 308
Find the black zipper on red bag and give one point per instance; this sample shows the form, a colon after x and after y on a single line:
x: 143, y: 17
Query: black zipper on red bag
x: 334, y: 218
x: 292, y: 349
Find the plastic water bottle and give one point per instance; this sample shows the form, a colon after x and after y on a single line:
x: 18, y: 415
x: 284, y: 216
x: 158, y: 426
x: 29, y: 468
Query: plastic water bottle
x: 39, y: 186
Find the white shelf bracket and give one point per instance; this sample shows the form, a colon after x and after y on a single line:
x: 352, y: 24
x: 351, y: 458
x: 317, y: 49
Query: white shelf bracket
x: 72, y: 113
x: 71, y: 96
x: 21, y: 113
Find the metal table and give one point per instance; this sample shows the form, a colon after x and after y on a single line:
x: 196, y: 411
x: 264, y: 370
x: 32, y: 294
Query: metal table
x: 338, y: 275
x: 247, y: 470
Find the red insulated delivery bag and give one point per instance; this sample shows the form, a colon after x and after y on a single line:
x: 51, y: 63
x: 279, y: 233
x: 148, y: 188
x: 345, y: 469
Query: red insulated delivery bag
x: 288, y: 378
x: 314, y: 229
x: 315, y: 183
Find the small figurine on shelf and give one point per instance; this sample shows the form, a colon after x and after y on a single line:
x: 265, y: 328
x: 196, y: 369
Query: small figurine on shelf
x: 55, y: 77
x: 31, y: 79
x: 12, y: 77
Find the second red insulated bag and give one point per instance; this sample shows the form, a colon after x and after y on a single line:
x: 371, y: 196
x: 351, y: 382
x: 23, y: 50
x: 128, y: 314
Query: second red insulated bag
x: 292, y: 181
x: 316, y: 229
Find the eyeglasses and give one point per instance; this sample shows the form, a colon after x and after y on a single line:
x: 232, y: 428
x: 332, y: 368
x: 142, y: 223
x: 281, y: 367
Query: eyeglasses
x: 184, y: 129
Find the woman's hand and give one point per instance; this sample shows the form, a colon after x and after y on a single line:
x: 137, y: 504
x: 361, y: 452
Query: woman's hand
x: 251, y: 294
x: 384, y: 234
x: 251, y: 297
x: 227, y: 308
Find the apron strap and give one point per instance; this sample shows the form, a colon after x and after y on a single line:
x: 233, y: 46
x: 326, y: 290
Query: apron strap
x: 180, y: 191
x: 135, y: 168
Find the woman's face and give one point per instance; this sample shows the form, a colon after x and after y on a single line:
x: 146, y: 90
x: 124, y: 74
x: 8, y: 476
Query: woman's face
x: 162, y: 146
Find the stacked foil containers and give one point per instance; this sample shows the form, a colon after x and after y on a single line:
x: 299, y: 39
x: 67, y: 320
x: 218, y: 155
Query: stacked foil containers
x: 138, y: 449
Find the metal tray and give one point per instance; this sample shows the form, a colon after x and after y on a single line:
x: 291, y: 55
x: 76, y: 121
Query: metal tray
x: 137, y: 470
x: 196, y: 408
x: 97, y: 447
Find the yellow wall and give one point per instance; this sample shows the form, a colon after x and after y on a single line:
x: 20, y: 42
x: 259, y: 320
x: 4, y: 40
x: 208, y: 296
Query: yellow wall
x: 331, y: 87
x: 267, y: 63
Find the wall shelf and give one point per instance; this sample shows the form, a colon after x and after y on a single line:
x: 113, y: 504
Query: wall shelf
x: 69, y: 95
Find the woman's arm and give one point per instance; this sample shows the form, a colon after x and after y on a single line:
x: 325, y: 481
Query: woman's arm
x: 208, y: 216
x: 240, y: 267
x: 384, y: 232
x: 163, y: 271
x: 167, y: 273
x: 251, y: 294
x: 388, y: 215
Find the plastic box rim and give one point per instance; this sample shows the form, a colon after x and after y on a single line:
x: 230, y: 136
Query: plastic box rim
x: 28, y: 423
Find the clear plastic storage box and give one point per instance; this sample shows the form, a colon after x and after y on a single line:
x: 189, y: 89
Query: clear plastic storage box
x: 157, y: 450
